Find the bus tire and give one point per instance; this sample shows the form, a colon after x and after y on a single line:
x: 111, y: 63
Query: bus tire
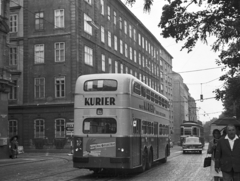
x: 150, y: 159
x: 165, y: 158
x: 144, y: 160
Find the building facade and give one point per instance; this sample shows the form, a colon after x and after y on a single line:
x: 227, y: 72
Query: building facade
x: 5, y: 77
x: 65, y: 39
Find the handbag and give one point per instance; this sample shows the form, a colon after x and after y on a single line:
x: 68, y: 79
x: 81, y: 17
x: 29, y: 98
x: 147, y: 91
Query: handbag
x: 207, y: 162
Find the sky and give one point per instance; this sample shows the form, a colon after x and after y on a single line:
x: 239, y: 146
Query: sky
x: 202, y: 57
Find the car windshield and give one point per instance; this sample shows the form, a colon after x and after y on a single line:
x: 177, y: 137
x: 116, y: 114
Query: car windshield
x: 193, y: 140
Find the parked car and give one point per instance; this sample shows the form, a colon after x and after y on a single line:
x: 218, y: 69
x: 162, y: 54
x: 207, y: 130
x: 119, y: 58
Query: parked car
x: 192, y: 144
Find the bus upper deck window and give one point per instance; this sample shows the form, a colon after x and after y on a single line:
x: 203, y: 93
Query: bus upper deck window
x: 143, y: 91
x: 100, y: 85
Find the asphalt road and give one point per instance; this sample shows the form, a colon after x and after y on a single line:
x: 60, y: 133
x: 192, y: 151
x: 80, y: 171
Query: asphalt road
x: 58, y: 167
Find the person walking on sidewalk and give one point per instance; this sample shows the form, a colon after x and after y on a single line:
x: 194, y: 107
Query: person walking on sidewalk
x: 212, y: 150
x: 227, y: 157
x: 14, y: 147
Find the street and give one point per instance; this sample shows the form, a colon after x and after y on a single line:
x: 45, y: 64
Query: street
x: 179, y: 167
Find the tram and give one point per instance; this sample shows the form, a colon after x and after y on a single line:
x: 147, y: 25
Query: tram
x: 192, y: 128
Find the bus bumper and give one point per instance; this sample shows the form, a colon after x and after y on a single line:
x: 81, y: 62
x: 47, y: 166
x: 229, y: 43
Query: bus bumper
x: 101, y: 162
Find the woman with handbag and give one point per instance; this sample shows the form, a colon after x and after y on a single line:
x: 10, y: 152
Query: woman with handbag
x: 211, y: 150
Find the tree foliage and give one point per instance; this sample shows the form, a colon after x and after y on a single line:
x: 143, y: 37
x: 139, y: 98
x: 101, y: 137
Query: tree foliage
x: 213, y: 18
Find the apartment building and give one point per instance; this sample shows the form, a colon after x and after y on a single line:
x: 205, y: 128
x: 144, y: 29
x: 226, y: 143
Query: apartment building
x: 65, y: 39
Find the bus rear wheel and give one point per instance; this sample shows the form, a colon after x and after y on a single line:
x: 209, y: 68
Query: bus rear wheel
x: 144, y: 161
x: 150, y: 160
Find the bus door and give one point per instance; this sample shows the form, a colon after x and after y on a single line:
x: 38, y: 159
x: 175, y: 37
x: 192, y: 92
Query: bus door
x: 136, y: 142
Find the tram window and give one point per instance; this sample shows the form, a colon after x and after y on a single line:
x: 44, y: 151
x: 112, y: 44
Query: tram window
x: 160, y: 129
x: 100, y: 85
x: 195, y: 131
x: 143, y: 91
x: 181, y: 131
x: 144, y: 127
x: 156, y: 98
x: 99, y: 126
x: 152, y: 96
x: 136, y: 88
x: 148, y: 94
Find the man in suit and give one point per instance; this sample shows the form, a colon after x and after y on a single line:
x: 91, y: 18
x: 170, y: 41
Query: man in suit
x: 227, y: 157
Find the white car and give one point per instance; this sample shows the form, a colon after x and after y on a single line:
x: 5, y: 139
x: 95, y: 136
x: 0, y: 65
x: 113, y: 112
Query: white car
x: 192, y: 144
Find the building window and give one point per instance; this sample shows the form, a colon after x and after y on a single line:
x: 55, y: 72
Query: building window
x: 139, y: 59
x: 146, y: 45
x: 115, y: 17
x: 130, y: 50
x: 140, y: 76
x: 39, y: 53
x: 143, y: 62
x: 59, y: 18
x: 89, y: 1
x: 39, y: 19
x: 13, y: 56
x: 131, y: 72
x: 88, y: 56
x: 109, y: 39
x: 60, y: 87
x: 143, y: 42
x: 126, y: 70
x: 109, y: 13
x: 144, y: 80
x: 121, y: 67
x: 59, y: 128
x: 39, y: 88
x: 102, y: 7
x: 39, y: 128
x: 102, y: 34
x: 116, y: 67
x: 103, y: 63
x: 87, y: 26
x: 136, y: 75
x: 135, y: 56
x: 59, y: 52
x: 126, y: 50
x: 13, y: 22
x: 115, y: 43
x: 13, y: 91
x: 1, y: 8
x: 120, y: 23
x: 130, y: 31
x: 121, y: 46
x: 134, y: 34
x: 110, y: 65
x: 125, y: 27
x: 139, y: 39
x: 12, y: 128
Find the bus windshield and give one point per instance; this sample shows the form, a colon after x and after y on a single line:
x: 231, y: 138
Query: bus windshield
x: 99, y: 126
x: 100, y: 85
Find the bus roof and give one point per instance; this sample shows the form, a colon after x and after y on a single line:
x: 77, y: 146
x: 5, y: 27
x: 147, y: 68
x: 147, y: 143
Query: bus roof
x: 116, y: 76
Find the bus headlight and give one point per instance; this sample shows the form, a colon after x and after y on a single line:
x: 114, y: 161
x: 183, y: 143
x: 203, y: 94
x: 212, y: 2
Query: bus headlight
x: 122, y: 150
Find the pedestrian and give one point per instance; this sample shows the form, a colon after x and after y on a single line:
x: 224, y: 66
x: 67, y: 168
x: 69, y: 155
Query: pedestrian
x: 14, y: 147
x: 227, y: 157
x: 212, y: 150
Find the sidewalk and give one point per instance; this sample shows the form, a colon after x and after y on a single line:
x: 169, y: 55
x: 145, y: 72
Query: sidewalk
x: 33, y: 157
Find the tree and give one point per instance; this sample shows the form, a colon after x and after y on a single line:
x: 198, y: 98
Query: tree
x: 215, y: 18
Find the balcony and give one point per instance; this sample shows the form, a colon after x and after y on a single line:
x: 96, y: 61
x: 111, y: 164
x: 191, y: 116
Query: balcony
x: 5, y: 80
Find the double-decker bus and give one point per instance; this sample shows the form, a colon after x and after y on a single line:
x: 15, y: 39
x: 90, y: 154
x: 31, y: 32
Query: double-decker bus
x: 192, y: 128
x: 120, y: 123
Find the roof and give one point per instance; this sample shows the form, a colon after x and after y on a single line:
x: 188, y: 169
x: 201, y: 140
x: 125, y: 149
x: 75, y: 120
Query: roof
x: 226, y: 121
